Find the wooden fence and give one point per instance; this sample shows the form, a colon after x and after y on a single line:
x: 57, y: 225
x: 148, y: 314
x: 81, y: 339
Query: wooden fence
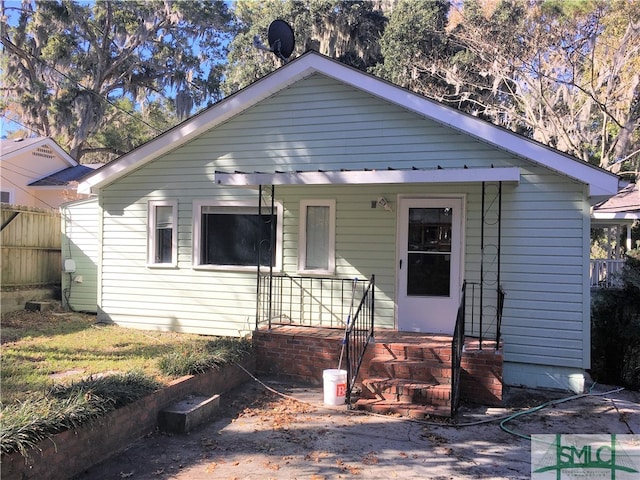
x: 30, y: 244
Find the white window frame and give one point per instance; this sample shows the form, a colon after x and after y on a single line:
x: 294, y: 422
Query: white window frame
x: 239, y: 206
x: 11, y: 194
x: 302, y: 237
x: 151, y: 233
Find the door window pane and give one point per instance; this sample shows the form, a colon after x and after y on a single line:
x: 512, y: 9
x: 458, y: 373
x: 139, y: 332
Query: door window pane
x: 429, y: 252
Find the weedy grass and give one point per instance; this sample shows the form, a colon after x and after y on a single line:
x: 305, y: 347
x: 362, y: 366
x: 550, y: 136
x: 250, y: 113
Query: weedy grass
x: 59, y: 371
x: 193, y: 358
x: 47, y: 349
x: 24, y: 424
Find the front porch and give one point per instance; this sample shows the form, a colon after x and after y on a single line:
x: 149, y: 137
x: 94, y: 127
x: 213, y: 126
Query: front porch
x: 401, y: 372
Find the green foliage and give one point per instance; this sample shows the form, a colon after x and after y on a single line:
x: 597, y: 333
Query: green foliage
x: 615, y: 327
x: 414, y: 36
x: 192, y: 358
x: 25, y: 424
x: 42, y: 348
x: 346, y: 30
x: 69, y: 63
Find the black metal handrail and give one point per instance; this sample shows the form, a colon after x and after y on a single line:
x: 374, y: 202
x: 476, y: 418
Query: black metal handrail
x: 358, y: 334
x: 306, y: 301
x: 457, y: 347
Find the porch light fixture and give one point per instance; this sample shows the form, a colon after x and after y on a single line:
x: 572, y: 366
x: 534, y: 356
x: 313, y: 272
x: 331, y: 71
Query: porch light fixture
x: 383, y: 203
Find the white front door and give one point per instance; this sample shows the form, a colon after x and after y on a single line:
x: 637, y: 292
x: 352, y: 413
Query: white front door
x: 429, y: 264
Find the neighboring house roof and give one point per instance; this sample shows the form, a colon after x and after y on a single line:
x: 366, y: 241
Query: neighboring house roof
x: 64, y: 177
x: 600, y: 182
x: 40, y: 146
x: 625, y: 205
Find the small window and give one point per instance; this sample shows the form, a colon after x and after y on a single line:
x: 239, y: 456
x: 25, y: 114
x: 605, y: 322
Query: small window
x: 234, y: 235
x: 163, y: 236
x: 5, y: 196
x: 317, y: 236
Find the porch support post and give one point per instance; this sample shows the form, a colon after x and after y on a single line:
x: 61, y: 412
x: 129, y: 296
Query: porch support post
x: 499, y: 286
x: 258, y: 261
x: 482, y: 220
x: 271, y: 247
x: 628, y: 243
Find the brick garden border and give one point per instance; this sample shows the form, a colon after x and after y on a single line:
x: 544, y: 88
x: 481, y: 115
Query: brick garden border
x: 73, y: 451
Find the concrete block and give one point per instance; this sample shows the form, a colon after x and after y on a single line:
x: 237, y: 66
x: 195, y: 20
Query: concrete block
x: 185, y: 415
x: 33, y: 306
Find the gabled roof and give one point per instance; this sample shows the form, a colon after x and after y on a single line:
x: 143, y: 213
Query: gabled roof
x: 63, y: 177
x: 625, y: 205
x: 601, y: 182
x: 39, y: 146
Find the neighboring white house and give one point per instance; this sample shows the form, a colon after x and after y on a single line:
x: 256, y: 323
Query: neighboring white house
x: 367, y: 179
x: 37, y: 172
x: 616, y: 216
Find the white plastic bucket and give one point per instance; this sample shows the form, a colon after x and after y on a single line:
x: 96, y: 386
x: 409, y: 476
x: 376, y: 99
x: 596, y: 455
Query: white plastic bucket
x: 335, y: 386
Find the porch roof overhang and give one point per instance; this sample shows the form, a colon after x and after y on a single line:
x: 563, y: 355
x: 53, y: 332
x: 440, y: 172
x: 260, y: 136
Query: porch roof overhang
x: 370, y: 177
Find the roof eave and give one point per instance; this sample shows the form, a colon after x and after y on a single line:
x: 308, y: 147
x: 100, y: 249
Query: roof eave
x: 601, y: 183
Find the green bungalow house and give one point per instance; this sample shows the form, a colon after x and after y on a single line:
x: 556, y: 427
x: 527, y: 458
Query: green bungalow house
x: 263, y: 208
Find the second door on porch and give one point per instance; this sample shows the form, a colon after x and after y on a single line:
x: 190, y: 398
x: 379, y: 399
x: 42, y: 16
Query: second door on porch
x: 429, y: 266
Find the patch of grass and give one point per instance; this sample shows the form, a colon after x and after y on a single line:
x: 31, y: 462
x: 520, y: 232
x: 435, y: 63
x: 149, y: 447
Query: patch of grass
x: 61, y: 349
x: 24, y: 424
x: 194, y: 358
x: 62, y: 370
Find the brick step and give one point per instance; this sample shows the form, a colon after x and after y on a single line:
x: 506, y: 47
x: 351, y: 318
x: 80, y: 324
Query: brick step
x: 406, y: 391
x: 411, y: 410
x: 419, y: 370
x: 440, y: 352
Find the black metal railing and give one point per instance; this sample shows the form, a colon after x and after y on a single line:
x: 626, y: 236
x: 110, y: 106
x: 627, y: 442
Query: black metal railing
x: 457, y: 347
x: 358, y: 334
x: 478, y: 330
x: 307, y: 301
x: 483, y: 312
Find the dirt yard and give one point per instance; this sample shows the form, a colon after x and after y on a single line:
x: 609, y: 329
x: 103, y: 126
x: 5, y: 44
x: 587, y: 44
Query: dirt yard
x: 260, y: 435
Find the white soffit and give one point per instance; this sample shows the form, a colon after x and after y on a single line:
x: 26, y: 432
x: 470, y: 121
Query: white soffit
x: 370, y: 177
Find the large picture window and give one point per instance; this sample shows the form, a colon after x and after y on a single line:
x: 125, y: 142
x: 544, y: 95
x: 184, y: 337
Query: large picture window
x: 317, y: 236
x: 163, y: 236
x: 234, y: 235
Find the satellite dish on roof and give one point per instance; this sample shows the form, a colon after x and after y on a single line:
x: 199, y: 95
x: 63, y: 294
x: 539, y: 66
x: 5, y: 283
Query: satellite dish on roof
x: 281, y: 40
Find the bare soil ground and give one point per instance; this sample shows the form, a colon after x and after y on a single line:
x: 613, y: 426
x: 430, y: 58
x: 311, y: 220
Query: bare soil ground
x: 258, y: 434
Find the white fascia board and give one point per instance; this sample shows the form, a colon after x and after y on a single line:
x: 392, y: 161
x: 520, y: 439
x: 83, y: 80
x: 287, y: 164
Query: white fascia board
x: 193, y: 127
x: 64, y: 155
x: 371, y: 177
x: 631, y: 216
x: 600, y: 181
x: 28, y: 147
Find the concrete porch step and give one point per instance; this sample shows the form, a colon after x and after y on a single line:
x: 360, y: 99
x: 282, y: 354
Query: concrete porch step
x: 407, y: 391
x: 188, y: 413
x: 420, y: 370
x: 405, y: 409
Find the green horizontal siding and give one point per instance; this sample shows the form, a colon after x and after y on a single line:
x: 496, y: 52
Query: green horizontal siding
x: 81, y: 242
x: 320, y: 124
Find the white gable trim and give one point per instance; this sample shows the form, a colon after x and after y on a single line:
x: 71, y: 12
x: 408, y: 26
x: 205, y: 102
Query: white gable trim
x: 600, y: 181
x: 631, y: 216
x: 40, y: 142
x: 369, y: 177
